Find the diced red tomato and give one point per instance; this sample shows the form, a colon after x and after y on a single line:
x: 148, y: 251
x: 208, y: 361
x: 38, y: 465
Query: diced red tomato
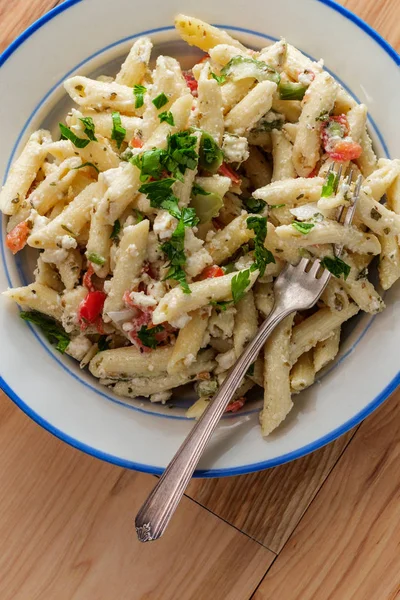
x: 17, y: 237
x: 191, y: 82
x: 87, y: 278
x: 336, y: 141
x: 136, y: 142
x: 346, y: 150
x: 211, y: 272
x: 235, y: 405
x: 227, y: 171
x: 314, y: 172
x: 91, y: 308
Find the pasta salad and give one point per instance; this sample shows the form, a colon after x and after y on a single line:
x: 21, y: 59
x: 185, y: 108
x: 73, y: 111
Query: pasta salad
x: 173, y: 199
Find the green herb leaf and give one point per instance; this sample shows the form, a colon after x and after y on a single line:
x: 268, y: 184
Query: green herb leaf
x: 264, y: 125
x: 277, y: 205
x: 158, y: 191
x: 139, y: 216
x: 254, y: 205
x: 220, y: 79
x: 197, y: 190
x: 330, y: 185
x: 86, y: 164
x: 210, y: 155
x: 51, y: 329
x: 167, y: 117
x: 139, y: 91
x: 336, y: 266
x: 96, y: 258
x: 160, y: 100
x: 179, y: 275
x: 250, y: 370
x: 118, y: 132
x: 324, y: 116
x: 291, y: 91
x: 239, y: 285
x: 66, y: 133
x: 261, y: 254
x: 303, y: 228
x: 180, y: 154
x: 221, y: 306
x: 149, y: 163
x: 240, y: 67
x: 68, y: 230
x: 174, y: 249
x: 115, y: 230
x: 102, y: 343
x: 148, y: 336
x: 89, y: 128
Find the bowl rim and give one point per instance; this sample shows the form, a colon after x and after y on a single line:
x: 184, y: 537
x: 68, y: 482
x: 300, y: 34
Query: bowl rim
x: 252, y: 467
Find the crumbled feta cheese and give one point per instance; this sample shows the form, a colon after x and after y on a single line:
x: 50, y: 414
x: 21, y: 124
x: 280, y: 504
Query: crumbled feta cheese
x: 55, y: 256
x: 245, y: 262
x: 181, y: 321
x: 221, y: 324
x: 157, y: 290
x: 79, y: 347
x: 306, y: 78
x: 196, y: 263
x: 235, y: 148
x: 306, y: 212
x: 150, y: 368
x: 141, y: 299
x: 160, y: 397
x: 37, y: 220
x: 164, y: 224
x: 127, y: 326
x: 107, y: 286
x: 192, y: 243
x: 67, y: 242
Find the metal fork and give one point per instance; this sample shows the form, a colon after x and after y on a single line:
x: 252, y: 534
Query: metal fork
x: 296, y: 288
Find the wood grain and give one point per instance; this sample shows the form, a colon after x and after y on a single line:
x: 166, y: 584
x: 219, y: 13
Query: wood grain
x: 16, y: 15
x: 269, y: 504
x: 66, y: 526
x: 382, y: 15
x: 347, y: 544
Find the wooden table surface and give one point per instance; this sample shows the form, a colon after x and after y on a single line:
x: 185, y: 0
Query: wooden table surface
x: 326, y: 526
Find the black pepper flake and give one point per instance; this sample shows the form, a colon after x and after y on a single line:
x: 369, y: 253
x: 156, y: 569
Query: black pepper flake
x: 375, y: 214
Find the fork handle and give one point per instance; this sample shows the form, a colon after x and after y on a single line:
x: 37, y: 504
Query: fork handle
x: 155, y: 514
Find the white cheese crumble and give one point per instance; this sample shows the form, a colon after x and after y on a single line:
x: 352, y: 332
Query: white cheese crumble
x: 235, y: 148
x: 160, y: 397
x: 55, y: 256
x: 141, y: 299
x: 190, y: 359
x: 107, y: 286
x: 79, y: 347
x: 67, y: 242
x: 37, y: 220
x: 221, y: 324
x: 132, y: 250
x: 164, y: 224
x: 225, y: 361
x: 154, y: 251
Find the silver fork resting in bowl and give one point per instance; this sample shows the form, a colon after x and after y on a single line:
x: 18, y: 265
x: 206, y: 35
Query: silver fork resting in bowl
x: 296, y: 288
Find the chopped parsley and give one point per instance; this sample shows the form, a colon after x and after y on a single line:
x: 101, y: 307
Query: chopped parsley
x: 174, y: 249
x: 180, y: 154
x: 52, y: 330
x: 197, y: 190
x: 336, y: 266
x: 261, y: 254
x: 89, y: 128
x: 375, y: 214
x: 303, y: 228
x: 220, y: 79
x: 102, y: 343
x: 160, y: 100
x: 291, y: 91
x: 158, y: 191
x: 148, y: 336
x: 210, y: 154
x: 139, y: 216
x: 330, y: 185
x: 221, y: 306
x: 97, y: 259
x: 167, y: 117
x: 86, y: 164
x: 277, y: 205
x: 239, y: 285
x: 240, y: 67
x: 67, y: 134
x: 149, y: 163
x: 139, y: 91
x: 118, y: 132
x: 254, y: 205
x: 115, y: 230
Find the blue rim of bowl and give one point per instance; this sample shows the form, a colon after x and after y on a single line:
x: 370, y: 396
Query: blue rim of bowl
x: 383, y: 395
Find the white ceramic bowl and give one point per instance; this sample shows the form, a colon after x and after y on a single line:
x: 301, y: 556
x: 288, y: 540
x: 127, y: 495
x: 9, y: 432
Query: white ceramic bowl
x: 86, y: 36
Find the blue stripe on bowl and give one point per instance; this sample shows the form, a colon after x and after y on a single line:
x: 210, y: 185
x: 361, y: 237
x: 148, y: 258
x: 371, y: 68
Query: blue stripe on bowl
x: 150, y: 468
